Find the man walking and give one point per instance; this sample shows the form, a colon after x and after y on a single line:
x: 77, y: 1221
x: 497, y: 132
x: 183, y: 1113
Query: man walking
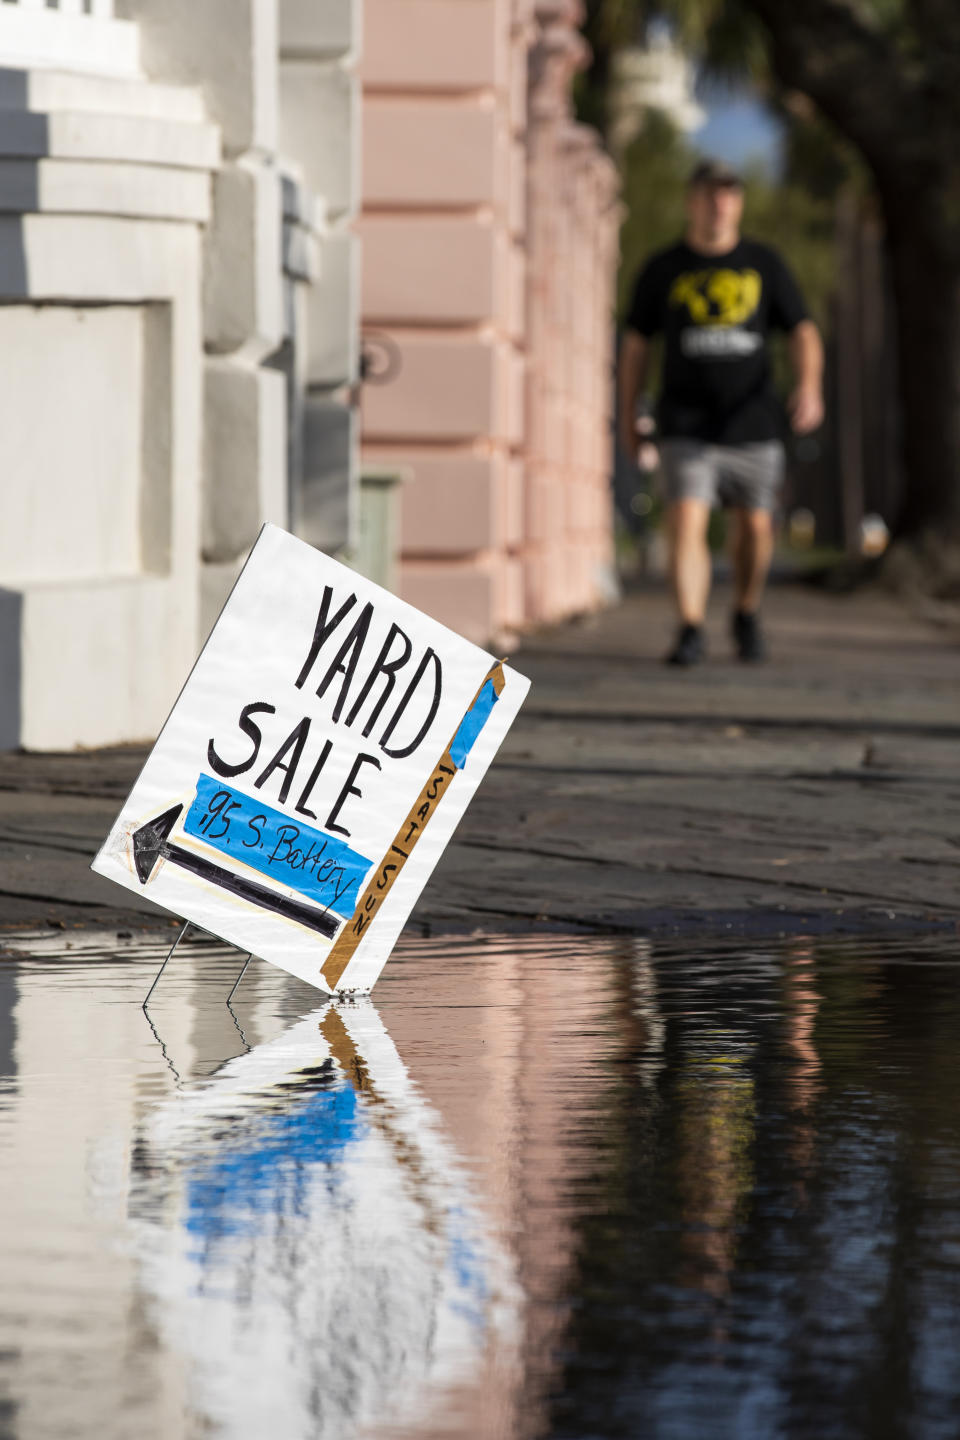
x: 715, y: 296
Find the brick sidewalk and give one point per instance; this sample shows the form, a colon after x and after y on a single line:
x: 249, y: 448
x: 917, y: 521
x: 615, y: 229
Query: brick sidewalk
x: 819, y: 791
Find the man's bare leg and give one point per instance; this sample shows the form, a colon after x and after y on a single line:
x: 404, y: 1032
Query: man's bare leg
x: 690, y: 558
x: 687, y: 522
x: 752, y: 553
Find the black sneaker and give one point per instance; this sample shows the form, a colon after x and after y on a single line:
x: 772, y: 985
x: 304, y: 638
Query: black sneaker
x: 689, y: 649
x: 748, y: 637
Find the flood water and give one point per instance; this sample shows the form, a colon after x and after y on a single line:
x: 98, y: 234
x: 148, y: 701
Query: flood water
x: 536, y: 1187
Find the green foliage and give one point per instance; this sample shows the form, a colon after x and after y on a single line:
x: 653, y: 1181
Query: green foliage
x: 801, y: 226
x: 608, y: 25
x: 654, y: 177
x: 819, y: 159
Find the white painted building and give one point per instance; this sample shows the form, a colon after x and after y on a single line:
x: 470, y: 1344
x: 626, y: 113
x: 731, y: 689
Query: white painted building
x: 178, y: 333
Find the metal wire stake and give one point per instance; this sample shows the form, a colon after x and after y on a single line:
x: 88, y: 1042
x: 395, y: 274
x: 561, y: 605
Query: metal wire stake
x: 237, y: 1026
x: 186, y: 927
x: 163, y: 1049
x: 239, y: 978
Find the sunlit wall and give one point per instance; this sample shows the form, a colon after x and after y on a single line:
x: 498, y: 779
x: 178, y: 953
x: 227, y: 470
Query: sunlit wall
x: 489, y: 247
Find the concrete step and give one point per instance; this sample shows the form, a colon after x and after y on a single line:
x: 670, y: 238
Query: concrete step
x: 84, y: 135
x: 84, y: 187
x: 49, y: 90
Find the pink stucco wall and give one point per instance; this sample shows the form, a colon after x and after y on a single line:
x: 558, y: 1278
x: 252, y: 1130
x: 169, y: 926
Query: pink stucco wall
x: 489, y: 241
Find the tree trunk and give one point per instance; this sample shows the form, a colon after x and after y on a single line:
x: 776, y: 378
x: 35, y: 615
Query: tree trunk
x: 849, y: 368
x: 926, y: 285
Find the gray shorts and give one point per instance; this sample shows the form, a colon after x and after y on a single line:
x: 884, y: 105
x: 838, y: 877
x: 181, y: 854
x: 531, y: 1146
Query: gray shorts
x: 747, y: 476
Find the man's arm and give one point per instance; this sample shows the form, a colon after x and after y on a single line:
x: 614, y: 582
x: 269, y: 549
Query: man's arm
x: 805, y: 405
x: 631, y: 378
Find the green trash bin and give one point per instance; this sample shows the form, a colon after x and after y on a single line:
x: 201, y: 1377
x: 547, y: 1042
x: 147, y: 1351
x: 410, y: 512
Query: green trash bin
x: 378, y: 524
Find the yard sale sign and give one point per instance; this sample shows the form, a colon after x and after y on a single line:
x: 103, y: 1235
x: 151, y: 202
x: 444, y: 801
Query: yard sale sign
x: 313, y: 768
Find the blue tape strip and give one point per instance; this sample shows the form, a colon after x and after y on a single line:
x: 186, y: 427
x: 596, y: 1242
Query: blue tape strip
x: 317, y: 865
x: 472, y: 723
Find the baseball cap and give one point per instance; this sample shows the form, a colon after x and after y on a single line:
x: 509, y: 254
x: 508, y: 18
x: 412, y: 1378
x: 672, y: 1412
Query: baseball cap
x: 714, y: 172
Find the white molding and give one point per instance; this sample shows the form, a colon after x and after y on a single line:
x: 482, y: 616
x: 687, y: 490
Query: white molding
x: 49, y: 38
x: 49, y: 90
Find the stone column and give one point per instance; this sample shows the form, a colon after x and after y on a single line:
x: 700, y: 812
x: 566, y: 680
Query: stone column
x: 228, y: 50
x: 573, y: 222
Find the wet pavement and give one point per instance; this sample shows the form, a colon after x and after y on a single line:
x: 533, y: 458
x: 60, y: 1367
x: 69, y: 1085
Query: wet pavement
x: 606, y: 1186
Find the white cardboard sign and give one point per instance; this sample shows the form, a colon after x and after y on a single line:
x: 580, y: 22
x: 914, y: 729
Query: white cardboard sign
x: 313, y: 768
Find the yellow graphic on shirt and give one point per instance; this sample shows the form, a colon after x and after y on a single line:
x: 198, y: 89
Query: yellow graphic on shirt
x: 717, y: 297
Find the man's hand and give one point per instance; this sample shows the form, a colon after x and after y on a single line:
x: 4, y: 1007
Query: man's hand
x: 634, y: 351
x: 805, y: 408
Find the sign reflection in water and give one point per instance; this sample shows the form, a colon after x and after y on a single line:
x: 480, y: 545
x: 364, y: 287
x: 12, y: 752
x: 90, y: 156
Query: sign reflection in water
x: 325, y: 1268
x: 267, y: 1212
x: 724, y: 1180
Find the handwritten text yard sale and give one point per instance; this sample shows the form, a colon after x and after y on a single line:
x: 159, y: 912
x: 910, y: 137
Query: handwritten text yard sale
x: 390, y: 695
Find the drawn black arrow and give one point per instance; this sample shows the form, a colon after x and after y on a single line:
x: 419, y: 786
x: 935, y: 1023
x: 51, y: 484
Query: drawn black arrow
x: 151, y: 845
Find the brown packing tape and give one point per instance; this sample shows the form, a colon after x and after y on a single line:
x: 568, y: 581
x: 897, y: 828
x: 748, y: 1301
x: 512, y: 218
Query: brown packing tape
x: 381, y: 882
x: 345, y: 1052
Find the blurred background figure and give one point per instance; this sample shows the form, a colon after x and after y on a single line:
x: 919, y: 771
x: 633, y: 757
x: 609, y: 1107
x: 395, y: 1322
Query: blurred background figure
x: 830, y: 182
x: 714, y: 296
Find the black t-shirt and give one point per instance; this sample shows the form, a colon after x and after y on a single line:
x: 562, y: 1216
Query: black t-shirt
x: 715, y: 313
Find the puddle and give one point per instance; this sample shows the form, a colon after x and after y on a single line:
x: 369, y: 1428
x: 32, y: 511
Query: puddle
x: 537, y: 1187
